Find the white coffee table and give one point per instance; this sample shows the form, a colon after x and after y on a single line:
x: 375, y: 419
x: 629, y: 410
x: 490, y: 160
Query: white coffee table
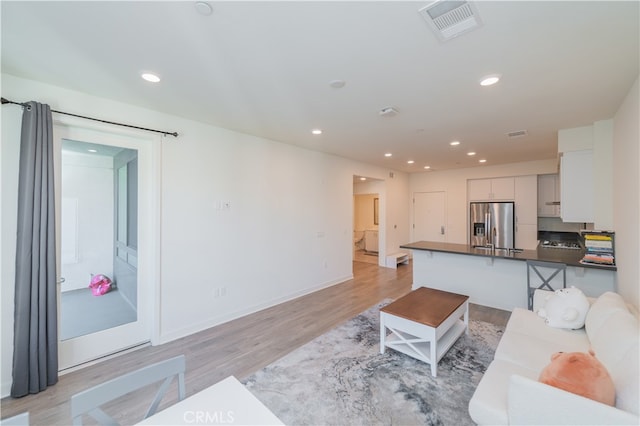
x: 424, y: 324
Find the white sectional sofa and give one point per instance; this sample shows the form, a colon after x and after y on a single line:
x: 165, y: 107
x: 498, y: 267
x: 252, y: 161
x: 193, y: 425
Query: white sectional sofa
x: 510, y: 393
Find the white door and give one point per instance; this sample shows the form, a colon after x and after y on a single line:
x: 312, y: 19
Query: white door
x: 429, y: 221
x: 89, y: 183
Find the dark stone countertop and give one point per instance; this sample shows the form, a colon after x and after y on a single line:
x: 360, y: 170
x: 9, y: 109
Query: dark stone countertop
x: 566, y: 256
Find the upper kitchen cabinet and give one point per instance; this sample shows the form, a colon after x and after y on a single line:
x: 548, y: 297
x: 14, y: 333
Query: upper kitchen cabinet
x: 586, y: 184
x: 576, y: 177
x: 549, y: 195
x: 494, y: 189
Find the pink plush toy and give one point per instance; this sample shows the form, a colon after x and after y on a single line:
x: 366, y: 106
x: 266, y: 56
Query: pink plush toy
x: 100, y: 284
x: 580, y: 373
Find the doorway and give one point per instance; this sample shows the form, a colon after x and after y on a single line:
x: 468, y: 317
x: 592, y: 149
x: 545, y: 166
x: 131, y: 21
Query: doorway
x: 98, y: 200
x: 367, y: 220
x: 104, y: 183
x: 365, y: 228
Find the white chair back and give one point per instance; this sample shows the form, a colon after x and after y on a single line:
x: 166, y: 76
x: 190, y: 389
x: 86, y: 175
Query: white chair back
x: 21, y: 419
x: 90, y: 400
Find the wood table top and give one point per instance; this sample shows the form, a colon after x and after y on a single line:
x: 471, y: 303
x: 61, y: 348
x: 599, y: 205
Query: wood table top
x: 426, y: 306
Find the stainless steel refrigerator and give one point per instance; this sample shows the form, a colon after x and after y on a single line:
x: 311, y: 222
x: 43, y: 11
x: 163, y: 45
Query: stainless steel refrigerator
x: 492, y: 224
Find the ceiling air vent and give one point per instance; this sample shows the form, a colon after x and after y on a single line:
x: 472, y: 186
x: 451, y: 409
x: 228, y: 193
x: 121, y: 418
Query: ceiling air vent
x: 449, y: 19
x: 517, y: 134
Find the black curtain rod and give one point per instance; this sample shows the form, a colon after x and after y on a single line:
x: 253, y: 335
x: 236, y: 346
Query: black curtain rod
x: 25, y: 105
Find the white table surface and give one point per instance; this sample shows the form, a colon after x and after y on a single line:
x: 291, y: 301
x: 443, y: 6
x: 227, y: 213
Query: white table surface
x: 227, y: 402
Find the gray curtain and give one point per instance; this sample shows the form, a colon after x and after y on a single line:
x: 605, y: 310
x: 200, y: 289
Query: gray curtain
x: 35, y: 339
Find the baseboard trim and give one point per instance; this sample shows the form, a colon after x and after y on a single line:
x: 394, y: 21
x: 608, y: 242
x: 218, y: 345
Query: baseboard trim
x: 186, y: 331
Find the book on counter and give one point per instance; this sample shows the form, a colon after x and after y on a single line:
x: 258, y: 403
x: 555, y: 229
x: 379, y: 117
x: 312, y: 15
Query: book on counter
x: 599, y: 248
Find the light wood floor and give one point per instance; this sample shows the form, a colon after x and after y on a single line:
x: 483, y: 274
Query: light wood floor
x: 362, y: 256
x: 238, y: 348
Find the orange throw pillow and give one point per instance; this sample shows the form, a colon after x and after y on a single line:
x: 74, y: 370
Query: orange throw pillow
x: 580, y: 373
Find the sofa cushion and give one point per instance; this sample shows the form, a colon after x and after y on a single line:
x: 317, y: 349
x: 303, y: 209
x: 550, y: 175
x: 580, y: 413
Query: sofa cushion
x: 535, y: 353
x: 616, y: 344
x: 626, y: 379
x: 488, y: 406
x: 618, y: 335
x: 529, y: 323
x: 604, y: 306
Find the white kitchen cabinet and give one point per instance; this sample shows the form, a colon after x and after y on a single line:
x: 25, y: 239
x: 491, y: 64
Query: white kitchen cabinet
x: 494, y: 189
x: 549, y: 195
x: 526, y: 209
x: 526, y: 236
x: 526, y: 190
x: 576, y: 185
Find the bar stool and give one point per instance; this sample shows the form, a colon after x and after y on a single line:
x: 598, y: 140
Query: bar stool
x: 551, y: 269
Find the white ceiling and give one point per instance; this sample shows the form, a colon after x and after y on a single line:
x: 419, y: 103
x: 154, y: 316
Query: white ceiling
x: 264, y: 68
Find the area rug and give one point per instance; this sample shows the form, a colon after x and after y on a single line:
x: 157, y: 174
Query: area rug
x: 340, y: 378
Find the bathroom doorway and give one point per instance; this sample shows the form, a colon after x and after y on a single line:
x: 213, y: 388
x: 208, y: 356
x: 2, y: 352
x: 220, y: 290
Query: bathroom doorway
x: 366, y: 220
x: 99, y: 224
x: 102, y: 187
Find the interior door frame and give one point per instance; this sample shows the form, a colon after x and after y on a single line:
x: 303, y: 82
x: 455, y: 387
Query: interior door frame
x: 85, y: 349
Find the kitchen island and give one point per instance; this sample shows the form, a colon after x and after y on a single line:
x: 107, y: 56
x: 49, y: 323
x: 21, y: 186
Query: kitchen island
x: 498, y: 278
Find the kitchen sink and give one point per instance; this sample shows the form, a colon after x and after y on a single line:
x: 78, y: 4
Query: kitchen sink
x: 500, y: 251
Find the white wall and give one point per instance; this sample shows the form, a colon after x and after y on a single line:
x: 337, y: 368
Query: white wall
x: 626, y: 195
x: 88, y: 180
x: 363, y: 214
x: 287, y: 231
x: 9, y: 153
x: 454, y: 184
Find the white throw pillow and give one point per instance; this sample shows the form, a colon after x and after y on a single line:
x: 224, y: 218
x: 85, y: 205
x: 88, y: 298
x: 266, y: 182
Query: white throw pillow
x: 565, y: 308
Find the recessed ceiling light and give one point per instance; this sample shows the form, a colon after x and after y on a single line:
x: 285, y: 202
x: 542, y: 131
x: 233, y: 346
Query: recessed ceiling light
x: 410, y: 162
x: 204, y: 8
x: 388, y: 154
x: 363, y: 178
x: 427, y: 167
x: 471, y: 153
x: 490, y: 80
x: 92, y: 150
x: 482, y: 161
x: 150, y: 77
x: 337, y: 84
x: 454, y: 143
x: 316, y: 131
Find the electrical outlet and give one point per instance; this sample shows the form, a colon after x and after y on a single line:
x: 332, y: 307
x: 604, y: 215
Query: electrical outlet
x: 216, y: 292
x: 223, y: 291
